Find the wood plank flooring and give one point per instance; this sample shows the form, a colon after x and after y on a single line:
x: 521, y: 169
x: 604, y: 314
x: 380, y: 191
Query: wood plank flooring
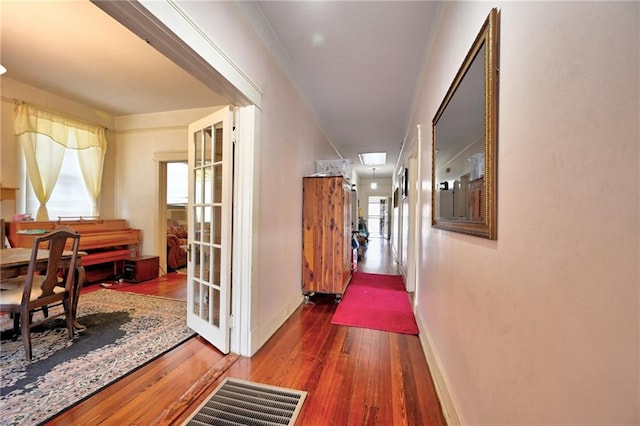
x: 354, y: 376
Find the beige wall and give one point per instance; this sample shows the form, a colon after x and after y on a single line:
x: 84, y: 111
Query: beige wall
x: 541, y: 326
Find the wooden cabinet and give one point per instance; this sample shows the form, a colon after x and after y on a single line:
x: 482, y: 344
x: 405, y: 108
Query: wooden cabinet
x: 141, y: 268
x: 476, y: 200
x: 326, y: 235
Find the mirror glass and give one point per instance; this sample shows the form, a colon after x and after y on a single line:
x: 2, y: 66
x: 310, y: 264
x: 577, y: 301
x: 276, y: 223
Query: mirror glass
x: 465, y: 142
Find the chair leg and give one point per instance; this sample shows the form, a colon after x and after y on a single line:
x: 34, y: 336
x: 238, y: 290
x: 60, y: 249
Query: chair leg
x: 26, y: 338
x: 16, y: 325
x: 68, y: 316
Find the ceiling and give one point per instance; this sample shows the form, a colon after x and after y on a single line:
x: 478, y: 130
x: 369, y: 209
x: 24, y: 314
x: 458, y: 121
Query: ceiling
x: 75, y: 50
x: 357, y: 64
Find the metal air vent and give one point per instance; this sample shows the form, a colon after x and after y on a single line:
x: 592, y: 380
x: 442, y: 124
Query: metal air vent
x: 240, y: 402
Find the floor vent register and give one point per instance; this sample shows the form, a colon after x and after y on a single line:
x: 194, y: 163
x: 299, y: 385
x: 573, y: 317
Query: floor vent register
x: 240, y: 402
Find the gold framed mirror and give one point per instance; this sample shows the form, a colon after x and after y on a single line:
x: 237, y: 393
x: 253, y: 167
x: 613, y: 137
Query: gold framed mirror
x: 465, y: 142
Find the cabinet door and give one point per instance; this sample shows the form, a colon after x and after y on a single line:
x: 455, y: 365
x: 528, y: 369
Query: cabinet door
x: 310, y: 230
x: 325, y: 214
x: 347, y: 251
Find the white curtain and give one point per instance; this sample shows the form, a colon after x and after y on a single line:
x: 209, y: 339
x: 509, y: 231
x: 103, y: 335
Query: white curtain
x: 44, y: 136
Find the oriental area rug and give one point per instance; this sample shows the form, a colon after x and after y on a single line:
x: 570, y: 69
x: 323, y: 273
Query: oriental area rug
x: 376, y: 301
x: 124, y: 331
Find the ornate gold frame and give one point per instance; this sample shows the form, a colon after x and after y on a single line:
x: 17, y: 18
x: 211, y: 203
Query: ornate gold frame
x: 488, y: 36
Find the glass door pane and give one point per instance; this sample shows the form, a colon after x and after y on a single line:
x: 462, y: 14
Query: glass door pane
x: 210, y: 217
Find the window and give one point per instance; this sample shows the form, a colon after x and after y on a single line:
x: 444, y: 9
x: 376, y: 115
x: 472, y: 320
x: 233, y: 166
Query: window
x: 69, y: 196
x: 64, y: 158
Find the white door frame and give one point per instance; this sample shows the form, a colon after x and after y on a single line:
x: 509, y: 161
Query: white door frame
x: 245, y: 203
x: 170, y: 31
x: 413, y: 233
x: 417, y: 248
x: 161, y: 158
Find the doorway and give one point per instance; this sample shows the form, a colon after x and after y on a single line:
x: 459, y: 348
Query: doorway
x: 171, y: 34
x: 177, y: 192
x: 163, y: 159
x: 378, y: 216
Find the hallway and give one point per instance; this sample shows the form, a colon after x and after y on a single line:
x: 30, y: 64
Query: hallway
x: 379, y: 258
x: 354, y: 376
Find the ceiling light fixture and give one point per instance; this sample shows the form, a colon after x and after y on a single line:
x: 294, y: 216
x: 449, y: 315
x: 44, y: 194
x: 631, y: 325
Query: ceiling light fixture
x: 2, y: 70
x: 374, y: 184
x: 373, y: 158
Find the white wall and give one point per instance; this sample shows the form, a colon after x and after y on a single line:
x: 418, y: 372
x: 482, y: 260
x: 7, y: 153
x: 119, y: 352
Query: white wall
x: 541, y: 326
x: 136, y: 174
x: 130, y: 181
x: 290, y: 143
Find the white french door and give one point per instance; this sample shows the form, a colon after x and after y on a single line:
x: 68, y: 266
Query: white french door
x: 210, y: 232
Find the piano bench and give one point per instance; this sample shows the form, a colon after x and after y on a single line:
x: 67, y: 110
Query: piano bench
x: 106, y: 256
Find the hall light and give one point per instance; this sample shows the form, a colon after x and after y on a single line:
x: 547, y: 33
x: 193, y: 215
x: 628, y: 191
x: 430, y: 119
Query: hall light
x: 2, y: 70
x: 374, y: 184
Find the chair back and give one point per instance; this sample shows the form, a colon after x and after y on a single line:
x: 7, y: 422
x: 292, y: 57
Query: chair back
x: 56, y: 242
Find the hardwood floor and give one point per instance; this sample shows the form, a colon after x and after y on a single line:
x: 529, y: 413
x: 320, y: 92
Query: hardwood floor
x: 379, y: 258
x: 353, y: 376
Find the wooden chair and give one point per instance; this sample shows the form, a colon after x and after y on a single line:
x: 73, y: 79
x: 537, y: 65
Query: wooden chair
x: 41, y: 289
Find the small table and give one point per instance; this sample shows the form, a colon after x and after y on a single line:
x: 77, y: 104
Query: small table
x: 15, y: 261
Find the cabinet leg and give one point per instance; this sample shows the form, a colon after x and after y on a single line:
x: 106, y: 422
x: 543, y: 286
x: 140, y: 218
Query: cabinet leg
x: 307, y: 297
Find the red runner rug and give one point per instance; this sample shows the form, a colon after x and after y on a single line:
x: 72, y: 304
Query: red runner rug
x: 379, y: 302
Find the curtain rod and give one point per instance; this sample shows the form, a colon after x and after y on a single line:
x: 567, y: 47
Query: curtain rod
x: 42, y: 107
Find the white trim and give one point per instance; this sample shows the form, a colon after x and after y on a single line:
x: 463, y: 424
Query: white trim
x: 443, y: 389
x: 169, y: 156
x: 160, y: 195
x: 160, y: 159
x: 245, y: 204
x: 413, y: 235
x: 170, y: 14
x: 165, y: 26
x: 418, y: 217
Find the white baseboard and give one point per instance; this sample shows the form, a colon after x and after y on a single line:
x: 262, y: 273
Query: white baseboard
x: 260, y: 335
x: 447, y: 400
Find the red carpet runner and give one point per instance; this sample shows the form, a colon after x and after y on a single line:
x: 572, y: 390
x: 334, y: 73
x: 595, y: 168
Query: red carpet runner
x: 376, y: 301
